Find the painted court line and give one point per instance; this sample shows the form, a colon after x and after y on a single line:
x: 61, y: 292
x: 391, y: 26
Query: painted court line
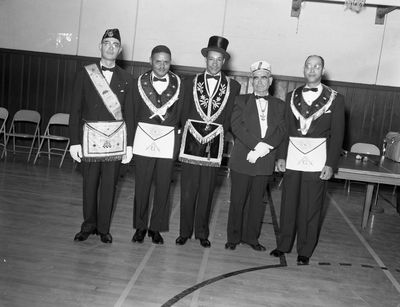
x: 139, y: 270
x: 367, y: 246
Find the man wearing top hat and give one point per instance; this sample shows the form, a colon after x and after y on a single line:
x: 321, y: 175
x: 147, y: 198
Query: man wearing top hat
x: 101, y: 133
x: 209, y: 100
x: 158, y: 96
x: 258, y: 125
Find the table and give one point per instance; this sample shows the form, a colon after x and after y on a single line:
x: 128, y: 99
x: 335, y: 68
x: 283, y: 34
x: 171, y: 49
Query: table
x: 377, y: 169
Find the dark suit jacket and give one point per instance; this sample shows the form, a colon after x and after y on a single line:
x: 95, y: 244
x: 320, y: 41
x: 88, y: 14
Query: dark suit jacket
x: 330, y: 125
x: 87, y: 104
x: 143, y: 113
x: 247, y: 131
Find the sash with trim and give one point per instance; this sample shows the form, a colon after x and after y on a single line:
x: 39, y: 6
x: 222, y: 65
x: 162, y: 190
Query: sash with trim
x: 305, y: 123
x: 306, y: 154
x: 151, y: 98
x: 202, y: 143
x: 210, y: 105
x: 104, y: 140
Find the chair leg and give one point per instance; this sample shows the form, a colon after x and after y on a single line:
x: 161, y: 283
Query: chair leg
x: 376, y: 196
x: 38, y: 152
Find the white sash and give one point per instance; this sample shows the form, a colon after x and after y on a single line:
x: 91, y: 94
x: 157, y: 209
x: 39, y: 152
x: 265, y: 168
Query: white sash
x: 110, y: 100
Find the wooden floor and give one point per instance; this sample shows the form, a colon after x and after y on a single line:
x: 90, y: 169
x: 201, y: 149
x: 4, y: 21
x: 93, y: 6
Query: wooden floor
x: 41, y: 265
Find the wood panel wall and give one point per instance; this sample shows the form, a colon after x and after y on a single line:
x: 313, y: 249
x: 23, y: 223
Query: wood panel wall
x: 43, y: 82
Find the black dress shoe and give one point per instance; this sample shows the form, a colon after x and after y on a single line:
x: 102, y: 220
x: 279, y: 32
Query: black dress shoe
x: 230, y: 246
x: 257, y: 247
x: 156, y: 237
x: 181, y: 240
x: 106, y: 238
x: 303, y: 260
x: 276, y: 253
x: 139, y: 235
x: 83, y: 236
x: 205, y: 243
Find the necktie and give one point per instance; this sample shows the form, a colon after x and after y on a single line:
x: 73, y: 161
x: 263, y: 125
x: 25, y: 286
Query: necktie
x: 212, y: 77
x: 103, y: 68
x: 158, y: 79
x: 263, y: 97
x: 307, y: 89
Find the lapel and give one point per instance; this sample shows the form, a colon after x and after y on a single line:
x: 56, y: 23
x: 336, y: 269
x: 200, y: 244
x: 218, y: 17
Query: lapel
x: 272, y: 117
x: 116, y: 81
x: 320, y: 101
x: 252, y: 118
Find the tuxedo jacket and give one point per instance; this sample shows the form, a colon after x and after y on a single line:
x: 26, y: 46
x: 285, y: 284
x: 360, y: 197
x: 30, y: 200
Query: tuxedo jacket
x: 247, y: 132
x: 329, y: 125
x: 87, y: 105
x: 173, y: 113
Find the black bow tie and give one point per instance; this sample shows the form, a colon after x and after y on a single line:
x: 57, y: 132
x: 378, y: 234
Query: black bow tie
x: 103, y: 68
x: 212, y: 77
x: 261, y: 97
x: 158, y: 79
x: 307, y: 89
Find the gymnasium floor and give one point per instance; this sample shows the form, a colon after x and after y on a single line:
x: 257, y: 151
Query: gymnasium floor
x: 41, y: 265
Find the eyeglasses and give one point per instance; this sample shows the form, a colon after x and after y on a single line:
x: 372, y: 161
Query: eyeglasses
x: 316, y: 67
x: 110, y: 44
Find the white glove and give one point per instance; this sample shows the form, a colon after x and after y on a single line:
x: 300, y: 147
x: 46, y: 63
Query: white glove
x: 129, y: 154
x: 263, y: 149
x: 76, y: 152
x: 252, y: 156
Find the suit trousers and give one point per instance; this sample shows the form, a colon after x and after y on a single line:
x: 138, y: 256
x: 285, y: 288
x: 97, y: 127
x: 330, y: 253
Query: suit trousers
x: 197, y: 190
x: 161, y: 171
x: 99, y: 181
x: 303, y: 195
x: 245, y: 224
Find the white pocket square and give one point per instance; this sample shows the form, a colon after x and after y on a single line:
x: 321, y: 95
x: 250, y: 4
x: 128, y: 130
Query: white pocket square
x: 329, y: 111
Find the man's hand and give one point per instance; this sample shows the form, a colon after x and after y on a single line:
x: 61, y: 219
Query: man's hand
x: 129, y: 154
x: 76, y: 152
x: 281, y: 165
x: 263, y: 149
x: 326, y: 173
x: 252, y: 156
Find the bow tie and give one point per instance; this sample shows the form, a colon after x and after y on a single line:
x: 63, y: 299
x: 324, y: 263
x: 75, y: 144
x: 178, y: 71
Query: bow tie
x: 212, y: 77
x: 307, y: 89
x: 103, y: 68
x: 158, y: 79
x: 261, y: 97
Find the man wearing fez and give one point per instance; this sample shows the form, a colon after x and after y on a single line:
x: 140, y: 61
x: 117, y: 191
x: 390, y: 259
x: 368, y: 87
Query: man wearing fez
x: 315, y: 124
x: 101, y: 133
x: 209, y: 101
x: 258, y: 125
x: 158, y: 96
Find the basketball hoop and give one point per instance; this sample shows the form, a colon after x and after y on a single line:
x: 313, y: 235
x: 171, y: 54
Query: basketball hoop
x: 354, y: 5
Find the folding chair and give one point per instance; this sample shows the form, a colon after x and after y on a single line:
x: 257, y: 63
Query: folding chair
x: 364, y: 148
x: 3, y: 117
x: 59, y: 119
x: 23, y: 121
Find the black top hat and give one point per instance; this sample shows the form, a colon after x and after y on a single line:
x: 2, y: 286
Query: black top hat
x: 218, y: 44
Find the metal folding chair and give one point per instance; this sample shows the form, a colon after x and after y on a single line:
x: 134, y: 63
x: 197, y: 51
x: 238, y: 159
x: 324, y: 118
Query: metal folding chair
x: 3, y: 117
x: 59, y: 119
x: 364, y: 148
x: 25, y: 125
